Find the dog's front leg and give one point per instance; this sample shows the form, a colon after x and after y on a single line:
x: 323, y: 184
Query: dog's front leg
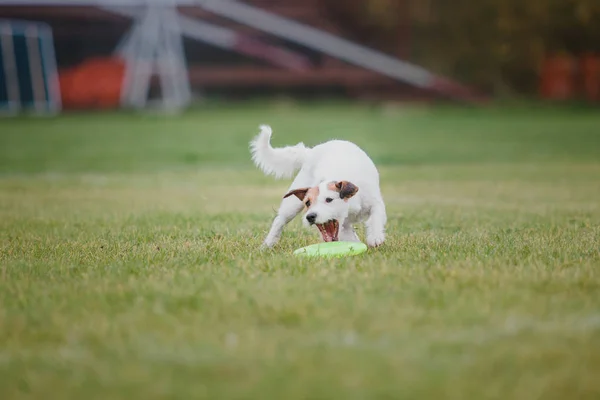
x: 375, y: 225
x: 347, y: 233
x: 289, y: 208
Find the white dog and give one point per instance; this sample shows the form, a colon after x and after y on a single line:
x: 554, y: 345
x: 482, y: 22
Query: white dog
x: 337, y: 184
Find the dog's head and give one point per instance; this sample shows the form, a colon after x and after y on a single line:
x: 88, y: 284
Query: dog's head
x: 326, y: 206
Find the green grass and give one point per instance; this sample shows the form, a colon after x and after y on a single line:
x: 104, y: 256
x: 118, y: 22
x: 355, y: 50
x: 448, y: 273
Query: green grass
x: 130, y: 269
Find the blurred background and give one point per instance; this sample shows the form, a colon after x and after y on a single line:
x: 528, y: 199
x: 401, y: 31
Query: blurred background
x: 132, y: 53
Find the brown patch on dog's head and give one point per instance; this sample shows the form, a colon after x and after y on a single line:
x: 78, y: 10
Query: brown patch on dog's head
x: 345, y: 188
x: 306, y: 195
x: 299, y: 193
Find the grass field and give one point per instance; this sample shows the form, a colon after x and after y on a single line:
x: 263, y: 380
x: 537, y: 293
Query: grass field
x: 130, y: 269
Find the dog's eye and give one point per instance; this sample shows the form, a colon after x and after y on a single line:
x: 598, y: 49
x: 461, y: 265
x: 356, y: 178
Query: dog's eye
x: 329, y: 199
x: 308, y: 203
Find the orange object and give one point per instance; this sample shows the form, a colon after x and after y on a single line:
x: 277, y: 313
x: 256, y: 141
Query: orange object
x: 94, y: 84
x: 590, y: 71
x: 558, y: 78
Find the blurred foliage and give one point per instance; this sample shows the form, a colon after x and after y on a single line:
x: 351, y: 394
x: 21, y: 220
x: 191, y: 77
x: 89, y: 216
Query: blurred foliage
x: 498, y: 45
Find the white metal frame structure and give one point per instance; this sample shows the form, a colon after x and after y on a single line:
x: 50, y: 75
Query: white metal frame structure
x: 41, y: 68
x: 160, y: 17
x: 154, y: 45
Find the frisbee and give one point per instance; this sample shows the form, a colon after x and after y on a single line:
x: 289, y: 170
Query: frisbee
x: 332, y: 249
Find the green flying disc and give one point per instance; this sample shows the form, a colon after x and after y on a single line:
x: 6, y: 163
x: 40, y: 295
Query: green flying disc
x: 332, y: 249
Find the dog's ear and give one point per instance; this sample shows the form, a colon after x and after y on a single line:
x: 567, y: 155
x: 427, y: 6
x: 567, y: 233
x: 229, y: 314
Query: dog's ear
x: 346, y: 189
x: 299, y: 193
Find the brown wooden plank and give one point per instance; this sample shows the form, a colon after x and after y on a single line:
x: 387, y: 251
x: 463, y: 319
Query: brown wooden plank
x: 246, y: 76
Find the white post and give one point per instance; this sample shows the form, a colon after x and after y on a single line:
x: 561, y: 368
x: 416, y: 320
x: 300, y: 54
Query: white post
x: 171, y: 62
x: 10, y: 68
x: 51, y: 70
x: 141, y: 65
x: 32, y: 41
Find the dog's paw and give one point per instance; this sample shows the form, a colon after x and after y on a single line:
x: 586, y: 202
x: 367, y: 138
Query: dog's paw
x: 268, y: 244
x: 375, y: 240
x: 348, y: 236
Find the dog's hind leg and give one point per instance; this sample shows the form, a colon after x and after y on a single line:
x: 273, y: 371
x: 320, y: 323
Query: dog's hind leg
x: 375, y: 225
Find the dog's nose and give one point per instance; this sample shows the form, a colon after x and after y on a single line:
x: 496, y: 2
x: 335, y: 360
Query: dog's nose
x: 312, y: 217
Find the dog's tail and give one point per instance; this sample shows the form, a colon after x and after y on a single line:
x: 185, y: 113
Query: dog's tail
x: 281, y: 162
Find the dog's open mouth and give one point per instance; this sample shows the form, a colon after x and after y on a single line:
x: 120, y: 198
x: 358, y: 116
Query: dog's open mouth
x: 329, y: 230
